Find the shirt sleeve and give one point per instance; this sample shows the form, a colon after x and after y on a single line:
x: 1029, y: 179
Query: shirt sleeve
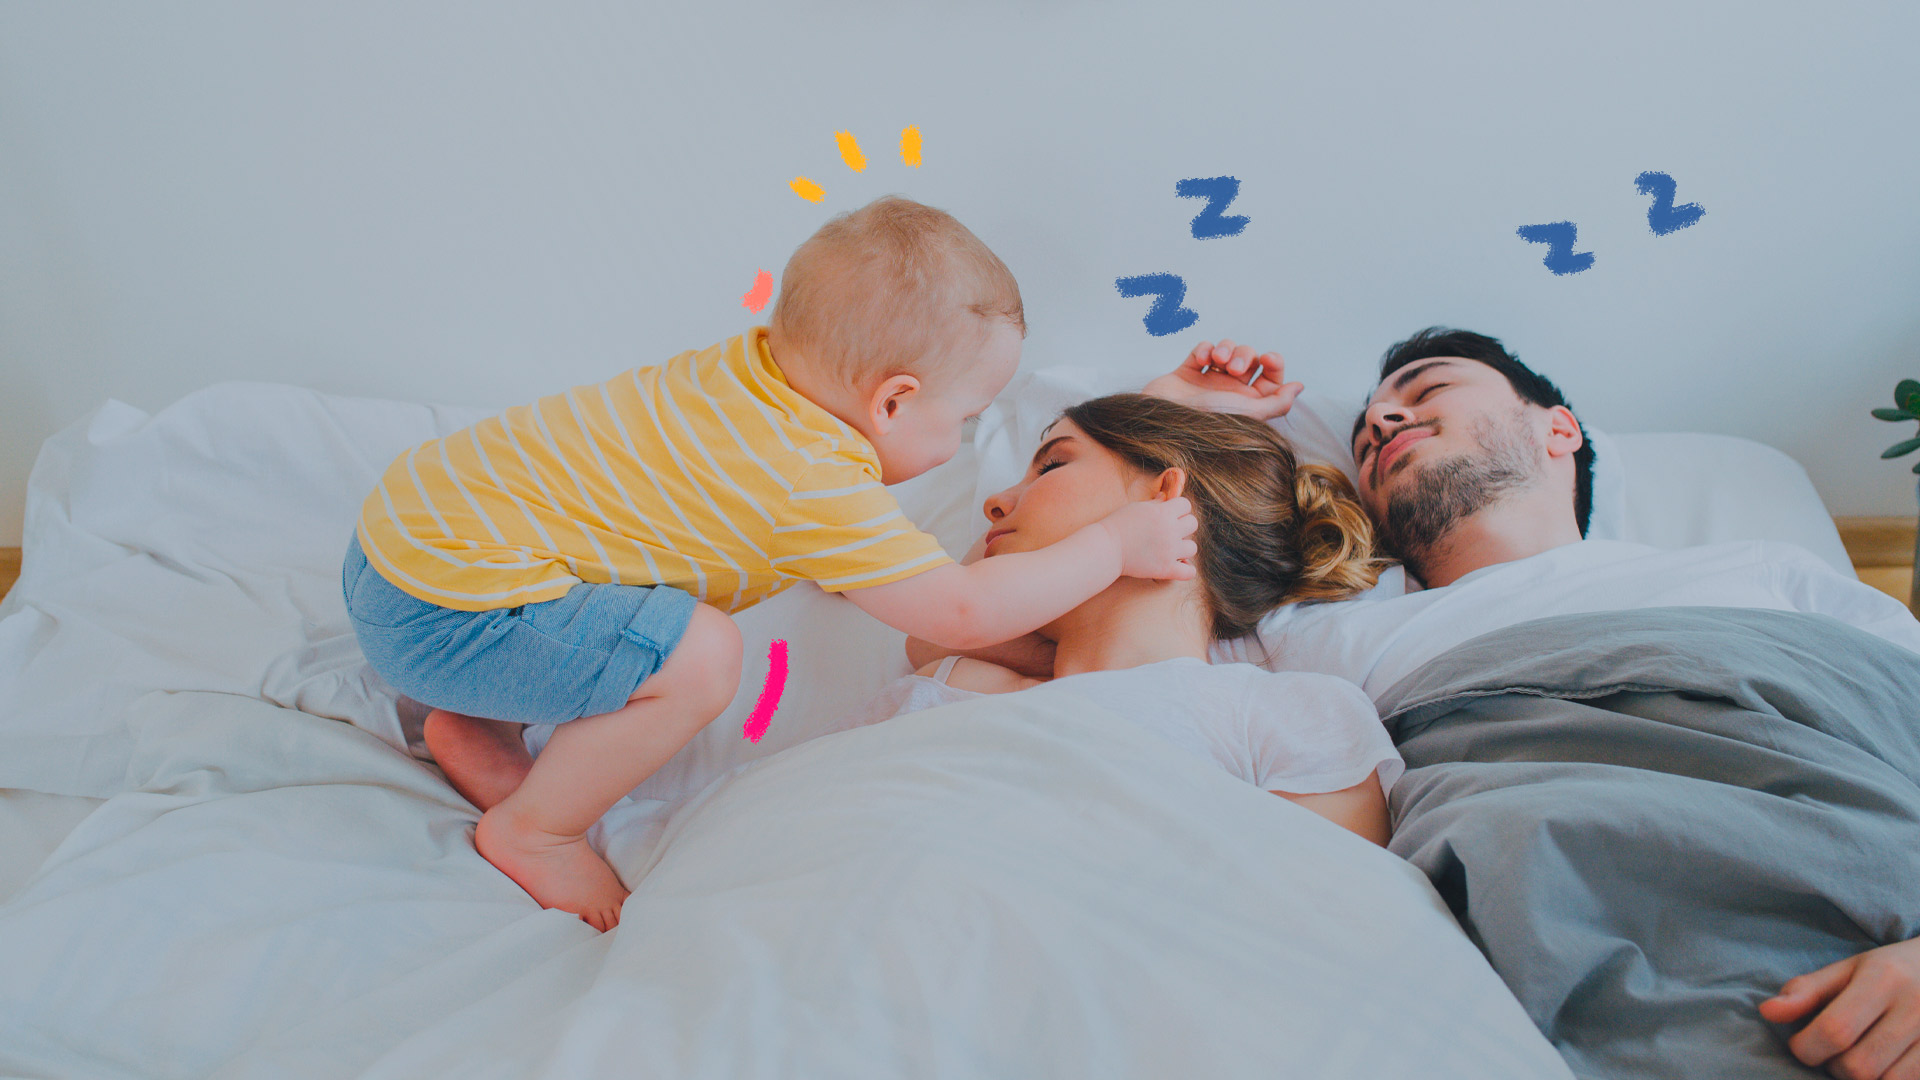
x: 842, y: 529
x: 1312, y: 734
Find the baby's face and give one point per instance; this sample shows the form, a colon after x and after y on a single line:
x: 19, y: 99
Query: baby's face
x: 932, y: 421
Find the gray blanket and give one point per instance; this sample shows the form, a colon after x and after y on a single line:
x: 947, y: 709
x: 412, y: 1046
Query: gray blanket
x: 1649, y: 820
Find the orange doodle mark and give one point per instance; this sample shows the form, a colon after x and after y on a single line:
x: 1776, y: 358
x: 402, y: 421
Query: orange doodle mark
x: 857, y: 161
x: 850, y: 151
x: 756, y: 297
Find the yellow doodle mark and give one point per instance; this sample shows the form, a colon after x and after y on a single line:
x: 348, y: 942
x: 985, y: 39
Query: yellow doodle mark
x: 850, y: 151
x: 857, y: 161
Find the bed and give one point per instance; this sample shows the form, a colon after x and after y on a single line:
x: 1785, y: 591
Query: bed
x: 223, y: 853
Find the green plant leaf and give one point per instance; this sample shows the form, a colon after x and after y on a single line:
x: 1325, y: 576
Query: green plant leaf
x: 1907, y: 388
x: 1893, y: 414
x: 1906, y: 446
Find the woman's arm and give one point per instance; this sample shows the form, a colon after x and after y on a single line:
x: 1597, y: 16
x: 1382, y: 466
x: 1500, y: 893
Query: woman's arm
x: 1360, y: 809
x: 982, y: 677
x: 1029, y: 654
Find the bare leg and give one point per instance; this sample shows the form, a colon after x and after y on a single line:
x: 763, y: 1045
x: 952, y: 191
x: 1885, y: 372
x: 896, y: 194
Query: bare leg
x: 485, y: 760
x: 538, y: 835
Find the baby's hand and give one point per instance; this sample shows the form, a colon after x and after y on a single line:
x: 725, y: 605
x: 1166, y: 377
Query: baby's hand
x: 1154, y: 538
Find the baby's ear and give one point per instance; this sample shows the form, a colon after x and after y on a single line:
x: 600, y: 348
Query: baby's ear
x: 884, y: 403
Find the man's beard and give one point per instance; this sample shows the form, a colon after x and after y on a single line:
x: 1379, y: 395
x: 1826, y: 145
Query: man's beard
x: 1439, y: 495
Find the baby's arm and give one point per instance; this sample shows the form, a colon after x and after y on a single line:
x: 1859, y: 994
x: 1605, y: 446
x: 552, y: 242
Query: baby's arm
x: 1028, y: 654
x: 1360, y: 809
x: 998, y: 599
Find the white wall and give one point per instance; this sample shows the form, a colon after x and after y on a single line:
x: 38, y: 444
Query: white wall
x: 481, y: 202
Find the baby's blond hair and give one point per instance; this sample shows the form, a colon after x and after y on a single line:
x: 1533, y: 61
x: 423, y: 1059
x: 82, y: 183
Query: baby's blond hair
x: 876, y: 291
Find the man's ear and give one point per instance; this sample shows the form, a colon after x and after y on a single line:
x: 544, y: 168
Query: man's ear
x: 883, y: 406
x: 1169, y: 484
x: 1563, y: 432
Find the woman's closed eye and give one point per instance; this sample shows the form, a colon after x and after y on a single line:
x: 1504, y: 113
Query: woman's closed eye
x: 1047, y: 466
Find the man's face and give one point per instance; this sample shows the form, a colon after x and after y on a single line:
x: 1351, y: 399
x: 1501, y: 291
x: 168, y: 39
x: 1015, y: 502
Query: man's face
x: 1440, y: 439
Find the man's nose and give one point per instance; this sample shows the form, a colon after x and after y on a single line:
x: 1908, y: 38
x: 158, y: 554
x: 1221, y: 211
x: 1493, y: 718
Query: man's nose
x: 1385, y: 414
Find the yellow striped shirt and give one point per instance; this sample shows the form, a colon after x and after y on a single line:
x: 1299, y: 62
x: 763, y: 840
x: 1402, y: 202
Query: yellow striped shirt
x: 708, y: 473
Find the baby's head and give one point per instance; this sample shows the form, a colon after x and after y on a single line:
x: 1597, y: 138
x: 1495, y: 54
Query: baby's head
x: 900, y: 322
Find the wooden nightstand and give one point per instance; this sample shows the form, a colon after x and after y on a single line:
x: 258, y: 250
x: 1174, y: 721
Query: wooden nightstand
x: 1882, y: 552
x: 9, y: 568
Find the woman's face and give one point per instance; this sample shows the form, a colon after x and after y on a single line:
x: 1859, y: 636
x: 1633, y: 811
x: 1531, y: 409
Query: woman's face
x: 1072, y: 482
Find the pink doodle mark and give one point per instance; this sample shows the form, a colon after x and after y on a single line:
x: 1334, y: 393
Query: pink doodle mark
x: 756, y: 725
x: 756, y: 297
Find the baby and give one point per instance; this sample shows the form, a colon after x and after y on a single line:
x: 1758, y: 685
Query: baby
x: 573, y: 562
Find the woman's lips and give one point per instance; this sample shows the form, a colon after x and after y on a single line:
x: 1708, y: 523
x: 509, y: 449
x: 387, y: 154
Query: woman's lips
x: 1397, y: 447
x: 993, y: 535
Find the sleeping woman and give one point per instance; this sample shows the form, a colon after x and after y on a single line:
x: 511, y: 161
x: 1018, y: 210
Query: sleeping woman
x: 1272, y: 531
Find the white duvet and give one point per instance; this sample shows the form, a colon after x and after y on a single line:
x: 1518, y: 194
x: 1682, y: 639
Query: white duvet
x: 273, y: 887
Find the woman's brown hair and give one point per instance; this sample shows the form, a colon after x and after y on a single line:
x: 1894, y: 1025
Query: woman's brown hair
x: 1272, y: 530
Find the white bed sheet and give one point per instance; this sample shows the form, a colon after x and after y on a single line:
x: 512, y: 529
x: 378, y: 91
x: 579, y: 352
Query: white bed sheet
x: 1026, y: 887
x: 180, y: 597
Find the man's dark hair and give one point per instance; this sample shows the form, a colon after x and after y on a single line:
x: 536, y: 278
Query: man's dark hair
x: 1528, y: 384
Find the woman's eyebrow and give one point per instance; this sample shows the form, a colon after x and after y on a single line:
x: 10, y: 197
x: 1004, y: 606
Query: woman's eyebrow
x: 1050, y: 444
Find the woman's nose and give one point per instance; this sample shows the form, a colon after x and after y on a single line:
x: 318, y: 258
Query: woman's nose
x: 999, y: 504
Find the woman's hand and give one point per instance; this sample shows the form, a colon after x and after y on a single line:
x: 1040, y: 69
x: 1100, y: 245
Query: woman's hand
x: 1216, y: 377
x: 1870, y: 1024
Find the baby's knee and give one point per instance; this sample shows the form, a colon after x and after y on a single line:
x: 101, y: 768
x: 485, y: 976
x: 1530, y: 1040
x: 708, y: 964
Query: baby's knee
x: 707, y: 661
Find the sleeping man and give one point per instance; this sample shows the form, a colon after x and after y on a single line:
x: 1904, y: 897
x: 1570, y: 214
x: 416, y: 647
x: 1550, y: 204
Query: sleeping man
x: 1673, y: 795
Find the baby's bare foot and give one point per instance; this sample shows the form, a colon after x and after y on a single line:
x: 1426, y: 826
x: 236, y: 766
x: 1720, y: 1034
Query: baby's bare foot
x: 484, y: 760
x: 559, y: 871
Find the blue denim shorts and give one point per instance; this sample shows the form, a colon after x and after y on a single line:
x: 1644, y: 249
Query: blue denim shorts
x: 580, y: 655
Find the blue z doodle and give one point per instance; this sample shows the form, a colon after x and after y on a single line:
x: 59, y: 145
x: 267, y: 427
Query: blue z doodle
x: 1219, y: 191
x: 1664, y: 217
x: 1166, y: 316
x: 1558, y: 237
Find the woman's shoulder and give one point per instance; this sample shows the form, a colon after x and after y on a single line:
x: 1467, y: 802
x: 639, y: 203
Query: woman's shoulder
x: 1297, y: 688
x: 980, y: 677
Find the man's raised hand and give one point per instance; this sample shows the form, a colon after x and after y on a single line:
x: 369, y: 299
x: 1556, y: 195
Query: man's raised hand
x: 1216, y: 377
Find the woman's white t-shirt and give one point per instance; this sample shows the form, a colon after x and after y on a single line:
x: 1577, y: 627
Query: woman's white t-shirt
x: 1296, y: 732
